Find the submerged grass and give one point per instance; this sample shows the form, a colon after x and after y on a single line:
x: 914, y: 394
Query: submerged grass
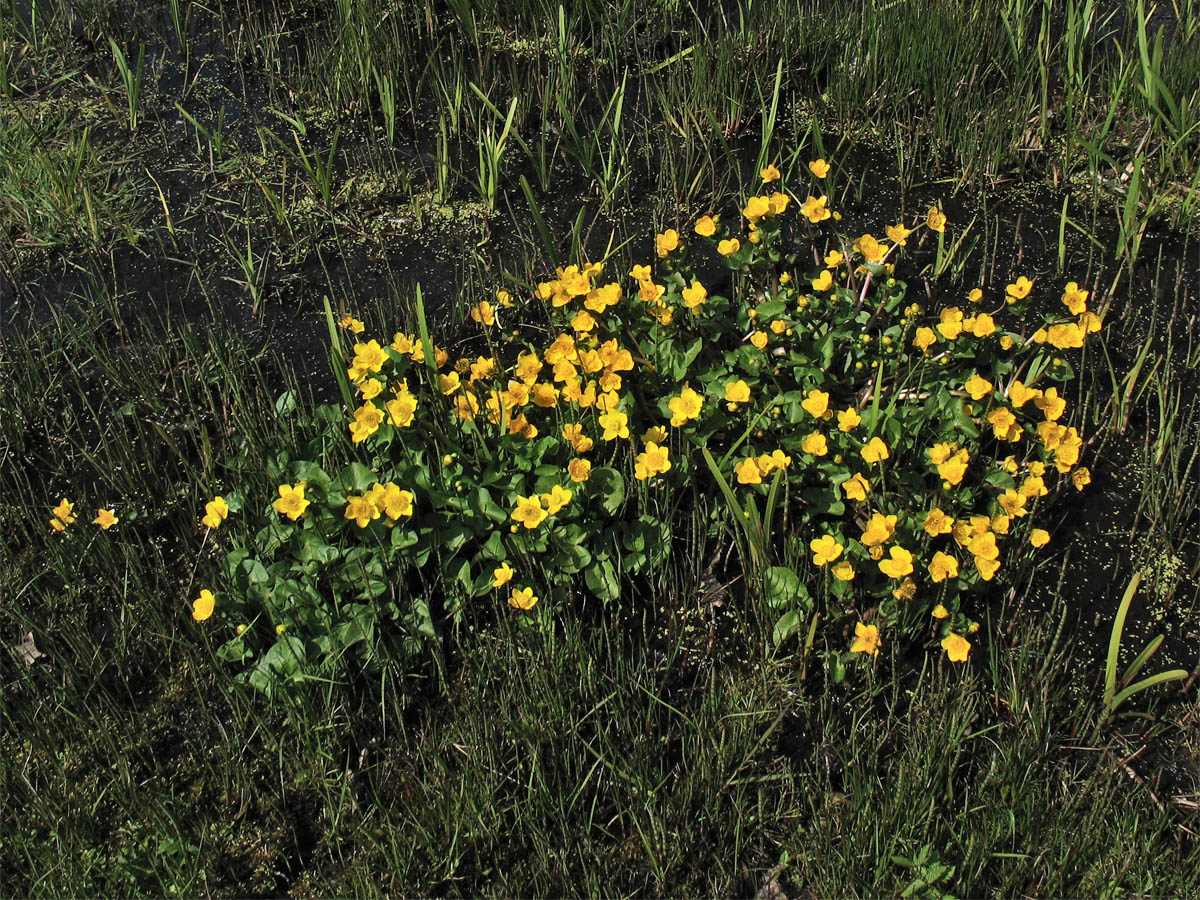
x: 671, y: 751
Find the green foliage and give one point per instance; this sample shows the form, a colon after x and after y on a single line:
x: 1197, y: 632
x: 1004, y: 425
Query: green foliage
x: 895, y: 443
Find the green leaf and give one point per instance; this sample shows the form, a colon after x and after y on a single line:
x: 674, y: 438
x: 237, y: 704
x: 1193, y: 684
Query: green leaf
x: 788, y: 624
x: 601, y: 578
x: 357, y: 478
x: 286, y: 403
x: 608, y: 485
x: 772, y: 309
x: 482, y: 504
x: 782, y: 586
x: 313, y: 549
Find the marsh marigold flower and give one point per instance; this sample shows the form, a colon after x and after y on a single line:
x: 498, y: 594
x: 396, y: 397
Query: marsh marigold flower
x: 685, y: 407
x: 819, y: 167
x: 202, y: 606
x: 737, y: 391
x: 856, y: 487
x: 941, y: 567
x: 706, y: 226
x: 522, y: 599
x: 556, y: 499
x: 843, y: 571
x: 291, y: 502
x: 105, y: 519
x: 1018, y: 290
x: 956, y: 646
x: 654, y: 460
x: 529, y: 512
x: 826, y: 549
x: 935, y: 219
x: 579, y: 470
x: 770, y: 173
x: 666, y: 243
x: 729, y: 246
x: 748, y: 471
x: 502, y: 575
x: 615, y: 424
x: 215, y: 512
x: 816, y: 403
x: 1039, y: 537
x: 815, y: 444
x: 875, y: 451
x: 866, y: 639
x: 898, y: 565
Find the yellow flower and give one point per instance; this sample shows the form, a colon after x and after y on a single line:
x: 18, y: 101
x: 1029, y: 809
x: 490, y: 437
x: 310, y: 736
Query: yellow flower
x: 759, y: 339
x: 396, y: 502
x: 984, y: 325
x: 215, y: 512
x: 694, y: 296
x: 615, y: 424
x: 1081, y: 478
x: 706, y: 226
x: 522, y: 599
x: 202, y: 606
x: 729, y: 246
x: 816, y: 403
x: 866, y: 639
x: 940, y: 612
x: 956, y: 646
x: 843, y: 571
x: 978, y: 387
x: 401, y: 409
x: 1039, y: 537
x: 770, y: 173
x: 503, y: 297
x: 899, y: 565
x: 1018, y: 290
x: 367, y: 419
x: 529, y: 512
x: 685, y: 407
x: 502, y: 575
x: 925, y: 338
x: 368, y: 357
x: 654, y: 460
x: 986, y: 567
x: 484, y: 314
x: 666, y: 242
x: 776, y: 459
x: 1074, y: 298
x: 748, y: 471
x: 361, y: 510
x: 371, y: 388
x: 756, y: 208
x: 737, y: 391
x: 898, y: 234
x: 856, y: 487
x: 875, y: 451
x: 1019, y: 394
x: 64, y: 512
x: 583, y: 321
x: 880, y: 529
x: 106, y: 520
x: 822, y: 282
x: 779, y: 203
x: 579, y: 470
x: 848, y: 419
x: 355, y: 326
x: 819, y: 167
x: 950, y: 325
x: 1004, y: 424
x: 574, y: 434
x: 556, y: 499
x: 815, y: 210
x: 291, y: 502
x: 825, y: 549
x: 815, y: 444
x: 834, y: 258
x: 1065, y: 337
x: 941, y: 567
x: 935, y: 219
x: 1013, y: 504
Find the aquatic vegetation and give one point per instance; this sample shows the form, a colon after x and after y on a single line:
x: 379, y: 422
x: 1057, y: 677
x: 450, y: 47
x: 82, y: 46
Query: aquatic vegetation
x: 913, y: 447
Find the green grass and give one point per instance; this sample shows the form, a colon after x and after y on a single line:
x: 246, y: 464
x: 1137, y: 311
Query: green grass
x: 662, y: 746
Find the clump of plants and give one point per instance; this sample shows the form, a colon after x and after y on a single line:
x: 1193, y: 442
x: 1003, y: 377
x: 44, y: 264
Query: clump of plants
x: 898, y: 456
